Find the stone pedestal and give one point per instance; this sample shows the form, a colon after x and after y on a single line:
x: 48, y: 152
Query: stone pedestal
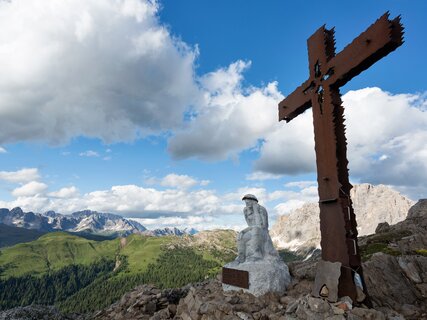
x: 267, y: 275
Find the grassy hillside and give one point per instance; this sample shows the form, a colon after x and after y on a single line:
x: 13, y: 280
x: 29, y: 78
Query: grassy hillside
x: 125, y: 263
x: 140, y: 251
x: 10, y: 235
x: 51, y: 252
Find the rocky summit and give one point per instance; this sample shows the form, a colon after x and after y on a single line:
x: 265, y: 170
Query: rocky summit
x: 395, y: 270
x: 208, y: 301
x: 372, y: 205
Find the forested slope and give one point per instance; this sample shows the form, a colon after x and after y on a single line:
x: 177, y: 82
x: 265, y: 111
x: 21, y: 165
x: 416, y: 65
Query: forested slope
x: 81, y: 275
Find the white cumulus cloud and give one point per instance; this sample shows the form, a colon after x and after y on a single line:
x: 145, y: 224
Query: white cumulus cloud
x: 229, y: 119
x: 66, y: 192
x: 387, y: 141
x: 89, y: 153
x: 179, y: 181
x: 104, y: 69
x: 30, y: 189
x: 20, y: 176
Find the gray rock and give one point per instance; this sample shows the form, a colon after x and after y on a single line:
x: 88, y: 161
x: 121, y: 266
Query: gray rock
x: 37, y: 312
x: 382, y: 227
x: 419, y: 210
x: 244, y: 316
x: 318, y: 305
x: 368, y: 314
x: 409, y: 310
x: 410, y: 269
x: 388, y: 284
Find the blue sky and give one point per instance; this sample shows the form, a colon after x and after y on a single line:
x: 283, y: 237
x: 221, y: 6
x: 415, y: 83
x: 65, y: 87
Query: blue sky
x: 167, y: 111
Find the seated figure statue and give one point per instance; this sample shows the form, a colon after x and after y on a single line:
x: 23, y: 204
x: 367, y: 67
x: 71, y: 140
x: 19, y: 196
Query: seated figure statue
x: 254, y: 242
x: 256, y: 254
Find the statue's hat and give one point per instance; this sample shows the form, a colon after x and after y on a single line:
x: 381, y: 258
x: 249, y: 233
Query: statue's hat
x: 250, y: 196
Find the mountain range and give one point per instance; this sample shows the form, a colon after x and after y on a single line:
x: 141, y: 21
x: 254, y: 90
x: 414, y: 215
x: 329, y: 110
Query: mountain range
x: 26, y: 225
x: 88, y: 277
x: 81, y: 221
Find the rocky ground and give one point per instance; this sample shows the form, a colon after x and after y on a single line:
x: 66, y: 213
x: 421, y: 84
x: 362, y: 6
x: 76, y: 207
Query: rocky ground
x: 395, y: 272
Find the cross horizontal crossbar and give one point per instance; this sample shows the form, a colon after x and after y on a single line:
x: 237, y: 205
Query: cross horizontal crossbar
x: 381, y: 38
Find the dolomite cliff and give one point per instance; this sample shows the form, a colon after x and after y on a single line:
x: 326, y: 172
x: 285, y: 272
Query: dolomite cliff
x: 372, y: 205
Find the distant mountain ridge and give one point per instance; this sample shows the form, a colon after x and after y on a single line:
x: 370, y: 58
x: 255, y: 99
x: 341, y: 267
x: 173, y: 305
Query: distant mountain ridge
x: 82, y: 222
x: 171, y: 232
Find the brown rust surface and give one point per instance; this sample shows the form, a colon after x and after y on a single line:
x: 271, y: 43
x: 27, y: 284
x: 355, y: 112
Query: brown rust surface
x: 234, y: 277
x: 328, y: 72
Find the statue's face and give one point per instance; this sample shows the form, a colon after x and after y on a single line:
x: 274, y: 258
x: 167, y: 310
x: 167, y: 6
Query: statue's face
x: 249, y: 202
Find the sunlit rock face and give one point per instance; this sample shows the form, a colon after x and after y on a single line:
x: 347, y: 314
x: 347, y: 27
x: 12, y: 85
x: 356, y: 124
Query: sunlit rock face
x: 372, y: 205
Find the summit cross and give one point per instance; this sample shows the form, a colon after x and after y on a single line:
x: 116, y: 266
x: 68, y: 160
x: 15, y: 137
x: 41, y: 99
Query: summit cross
x: 328, y: 72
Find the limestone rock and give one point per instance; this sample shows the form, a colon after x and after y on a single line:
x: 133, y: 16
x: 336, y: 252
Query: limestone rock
x: 368, y: 314
x: 36, y: 312
x: 210, y: 302
x: 144, y: 302
x: 389, y: 284
x: 382, y: 227
x: 372, y: 205
x: 419, y: 210
x: 397, y: 285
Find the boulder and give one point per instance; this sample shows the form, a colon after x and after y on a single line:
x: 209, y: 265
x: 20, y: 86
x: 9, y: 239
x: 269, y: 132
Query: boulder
x: 396, y: 282
x: 382, y: 227
x: 418, y: 210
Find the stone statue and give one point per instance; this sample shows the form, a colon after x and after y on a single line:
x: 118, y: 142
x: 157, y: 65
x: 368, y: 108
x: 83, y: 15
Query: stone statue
x: 257, y: 255
x: 254, y: 242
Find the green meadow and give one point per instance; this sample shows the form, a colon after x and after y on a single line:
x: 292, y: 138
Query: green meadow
x: 81, y: 275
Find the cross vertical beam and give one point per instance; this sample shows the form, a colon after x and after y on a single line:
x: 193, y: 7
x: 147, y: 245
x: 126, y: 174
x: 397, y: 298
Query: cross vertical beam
x: 328, y: 72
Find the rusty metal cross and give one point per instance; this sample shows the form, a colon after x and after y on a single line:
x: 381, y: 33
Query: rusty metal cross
x: 328, y: 72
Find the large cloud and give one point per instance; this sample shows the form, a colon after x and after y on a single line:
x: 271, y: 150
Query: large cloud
x: 289, y: 148
x: 387, y: 137
x: 32, y: 188
x: 174, y: 180
x: 230, y: 119
x: 192, y: 205
x: 179, y: 198
x: 387, y: 140
x: 20, y: 176
x: 105, y: 69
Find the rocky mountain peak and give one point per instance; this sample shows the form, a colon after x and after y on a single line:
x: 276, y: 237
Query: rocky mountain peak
x: 51, y: 214
x: 419, y: 210
x: 89, y: 213
x: 17, y: 211
x: 372, y: 205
